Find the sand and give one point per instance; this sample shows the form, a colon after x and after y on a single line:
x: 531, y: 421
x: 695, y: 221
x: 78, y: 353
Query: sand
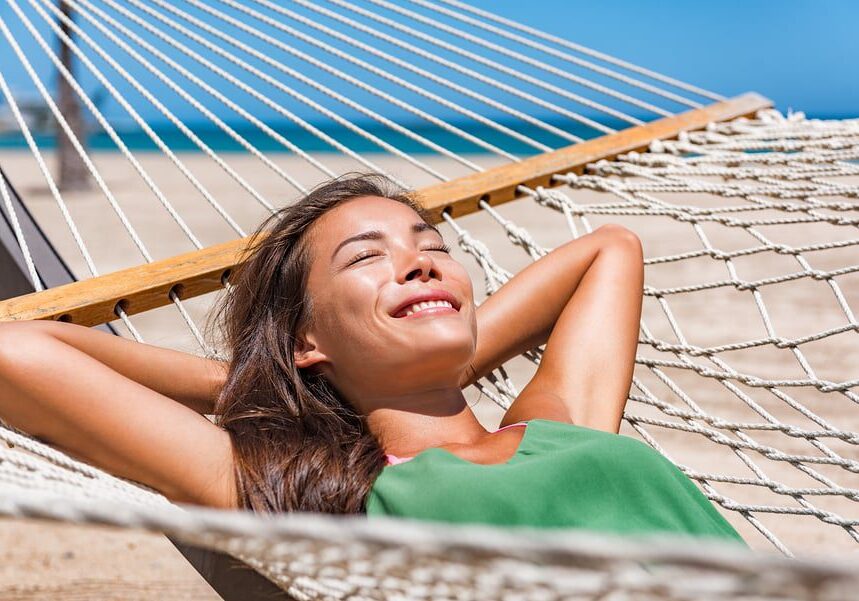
x: 41, y: 560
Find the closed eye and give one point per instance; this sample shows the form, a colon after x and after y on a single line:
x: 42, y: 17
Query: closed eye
x: 364, y: 255
x: 372, y: 253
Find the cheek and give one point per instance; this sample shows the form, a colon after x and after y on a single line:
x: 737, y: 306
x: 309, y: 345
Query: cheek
x: 467, y: 290
x: 454, y: 270
x: 463, y: 284
x: 346, y: 310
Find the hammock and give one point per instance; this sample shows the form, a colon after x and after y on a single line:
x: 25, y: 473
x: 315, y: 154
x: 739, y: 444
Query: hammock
x: 740, y: 209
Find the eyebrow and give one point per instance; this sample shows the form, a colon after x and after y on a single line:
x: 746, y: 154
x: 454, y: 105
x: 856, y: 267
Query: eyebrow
x: 417, y: 228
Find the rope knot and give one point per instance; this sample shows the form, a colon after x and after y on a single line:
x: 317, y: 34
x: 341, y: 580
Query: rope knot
x: 783, y: 343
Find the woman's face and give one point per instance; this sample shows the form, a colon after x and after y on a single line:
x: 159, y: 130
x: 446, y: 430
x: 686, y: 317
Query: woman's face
x: 393, y: 312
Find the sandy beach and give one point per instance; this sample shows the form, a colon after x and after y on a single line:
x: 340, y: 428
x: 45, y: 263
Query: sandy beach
x: 49, y: 561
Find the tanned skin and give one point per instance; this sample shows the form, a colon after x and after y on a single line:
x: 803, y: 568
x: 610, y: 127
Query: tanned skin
x: 137, y: 410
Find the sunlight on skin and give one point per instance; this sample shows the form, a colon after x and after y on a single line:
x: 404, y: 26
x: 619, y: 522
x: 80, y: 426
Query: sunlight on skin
x: 368, y: 279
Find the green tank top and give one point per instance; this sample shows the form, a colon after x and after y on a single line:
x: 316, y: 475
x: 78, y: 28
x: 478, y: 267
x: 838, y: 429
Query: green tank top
x: 561, y: 476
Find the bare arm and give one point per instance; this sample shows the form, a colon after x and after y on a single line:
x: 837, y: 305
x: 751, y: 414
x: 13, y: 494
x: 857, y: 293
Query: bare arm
x: 191, y: 380
x: 82, y: 404
x: 583, y: 300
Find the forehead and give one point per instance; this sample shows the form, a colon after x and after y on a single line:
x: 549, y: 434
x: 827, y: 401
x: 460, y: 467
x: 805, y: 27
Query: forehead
x: 359, y: 215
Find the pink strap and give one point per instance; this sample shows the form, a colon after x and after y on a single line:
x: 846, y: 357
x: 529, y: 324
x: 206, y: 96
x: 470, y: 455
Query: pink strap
x: 394, y: 460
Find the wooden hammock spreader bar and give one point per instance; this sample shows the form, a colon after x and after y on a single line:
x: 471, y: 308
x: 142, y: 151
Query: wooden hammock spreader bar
x: 462, y: 195
x: 144, y: 287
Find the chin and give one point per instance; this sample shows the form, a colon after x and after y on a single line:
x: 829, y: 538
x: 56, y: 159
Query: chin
x: 443, y: 358
x: 444, y: 337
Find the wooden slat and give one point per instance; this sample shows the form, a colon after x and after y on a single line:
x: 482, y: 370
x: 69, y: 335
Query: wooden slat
x: 137, y: 289
x: 498, y: 185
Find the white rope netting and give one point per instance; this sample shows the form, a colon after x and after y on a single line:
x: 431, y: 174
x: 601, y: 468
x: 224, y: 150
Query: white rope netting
x: 312, y: 556
x: 746, y: 373
x: 780, y: 429
x: 766, y: 175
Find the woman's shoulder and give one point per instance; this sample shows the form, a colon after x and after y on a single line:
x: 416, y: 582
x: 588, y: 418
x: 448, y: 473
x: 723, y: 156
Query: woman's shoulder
x: 395, y: 460
x: 541, y: 437
x: 563, y: 443
x: 567, y: 428
x: 563, y: 427
x: 546, y: 446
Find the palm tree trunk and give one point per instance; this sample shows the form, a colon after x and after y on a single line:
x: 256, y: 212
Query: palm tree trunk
x: 74, y: 174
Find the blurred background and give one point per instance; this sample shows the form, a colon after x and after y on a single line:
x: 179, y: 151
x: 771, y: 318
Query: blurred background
x: 800, y: 54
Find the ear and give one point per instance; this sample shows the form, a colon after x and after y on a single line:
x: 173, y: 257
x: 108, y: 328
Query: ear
x: 306, y: 353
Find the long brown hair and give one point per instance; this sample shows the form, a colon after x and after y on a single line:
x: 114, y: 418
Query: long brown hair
x: 297, y: 445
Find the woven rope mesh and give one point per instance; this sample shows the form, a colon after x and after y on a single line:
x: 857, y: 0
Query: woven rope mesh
x: 747, y: 363
x: 748, y: 358
x: 311, y: 557
x: 745, y: 377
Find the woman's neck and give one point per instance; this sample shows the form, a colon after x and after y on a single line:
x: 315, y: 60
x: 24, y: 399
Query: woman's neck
x: 405, y: 425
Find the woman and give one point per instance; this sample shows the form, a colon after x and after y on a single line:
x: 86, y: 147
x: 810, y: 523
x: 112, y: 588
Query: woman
x: 352, y: 332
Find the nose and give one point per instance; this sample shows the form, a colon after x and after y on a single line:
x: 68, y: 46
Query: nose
x: 420, y: 267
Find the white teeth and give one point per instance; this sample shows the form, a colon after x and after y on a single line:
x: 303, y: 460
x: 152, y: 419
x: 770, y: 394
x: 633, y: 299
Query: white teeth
x: 426, y: 305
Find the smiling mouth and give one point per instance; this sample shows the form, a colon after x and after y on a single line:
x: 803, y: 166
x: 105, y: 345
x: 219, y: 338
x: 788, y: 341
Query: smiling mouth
x: 426, y: 308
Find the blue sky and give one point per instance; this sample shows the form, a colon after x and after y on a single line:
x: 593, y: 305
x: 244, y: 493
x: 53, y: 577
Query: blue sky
x: 799, y: 53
